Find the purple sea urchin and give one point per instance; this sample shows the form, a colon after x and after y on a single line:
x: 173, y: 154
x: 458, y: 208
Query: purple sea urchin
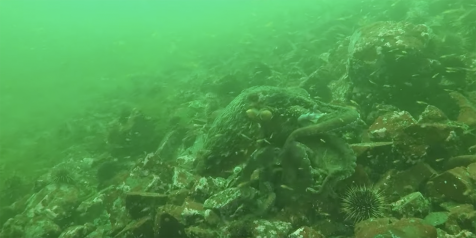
x: 361, y: 203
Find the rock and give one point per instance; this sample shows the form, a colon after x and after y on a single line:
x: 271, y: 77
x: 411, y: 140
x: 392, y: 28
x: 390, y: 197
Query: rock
x: 462, y: 234
x: 7, y: 213
x: 100, y: 232
x: 412, y: 205
x: 150, y: 174
x: 199, y: 232
x: 140, y: 204
x: 138, y: 228
x: 12, y: 228
x: 376, y: 54
x: 265, y: 203
x: 461, y: 161
x: 79, y: 231
x: 189, y: 213
x: 205, y: 187
x: 453, y: 184
x: 466, y: 234
x: 187, y: 159
x: 45, y: 212
x: 14, y: 188
x: 42, y: 228
x: 432, y: 114
x: 395, y: 185
x: 211, y: 218
x: 467, y: 111
x: 167, y: 226
x: 389, y: 126
x: 374, y: 156
x: 182, y: 178
x: 460, y: 218
x: 192, y: 213
x: 372, y: 227
x: 132, y: 134
x: 305, y: 232
x: 57, y: 205
x: 404, y: 228
x: 106, y: 210
x: 265, y: 228
x: 437, y: 218
x: 178, y: 197
x: 169, y: 147
x: 435, y: 134
x: 331, y: 228
x: 239, y: 228
x: 386, y: 43
x: 359, y: 178
x: 418, y: 140
x: 472, y: 171
x: 413, y: 141
x: 330, y: 81
x: 231, y: 201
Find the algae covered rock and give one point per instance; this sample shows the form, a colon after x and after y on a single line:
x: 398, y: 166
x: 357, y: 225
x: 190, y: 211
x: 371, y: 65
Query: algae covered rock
x: 306, y: 232
x: 78, y: 231
x: 454, y: 184
x: 377, y: 54
x: 412, y: 205
x: 393, y: 44
x: 232, y: 201
x: 384, y: 227
x: 437, y: 218
x: 132, y: 134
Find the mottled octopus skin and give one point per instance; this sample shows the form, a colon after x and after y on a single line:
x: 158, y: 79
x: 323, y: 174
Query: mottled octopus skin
x: 343, y: 119
x: 335, y: 123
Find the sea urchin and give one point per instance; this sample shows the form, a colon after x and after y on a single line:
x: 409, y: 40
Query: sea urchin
x: 62, y: 175
x: 361, y: 203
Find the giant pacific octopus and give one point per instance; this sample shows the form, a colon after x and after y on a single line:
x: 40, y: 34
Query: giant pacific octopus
x: 314, y: 154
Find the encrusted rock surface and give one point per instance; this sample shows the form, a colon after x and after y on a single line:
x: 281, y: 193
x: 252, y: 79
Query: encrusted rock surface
x: 411, y: 205
x: 454, y: 184
x: 407, y: 227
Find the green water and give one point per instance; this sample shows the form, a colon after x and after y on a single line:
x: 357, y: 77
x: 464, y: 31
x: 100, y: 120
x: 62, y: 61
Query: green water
x: 59, y: 58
